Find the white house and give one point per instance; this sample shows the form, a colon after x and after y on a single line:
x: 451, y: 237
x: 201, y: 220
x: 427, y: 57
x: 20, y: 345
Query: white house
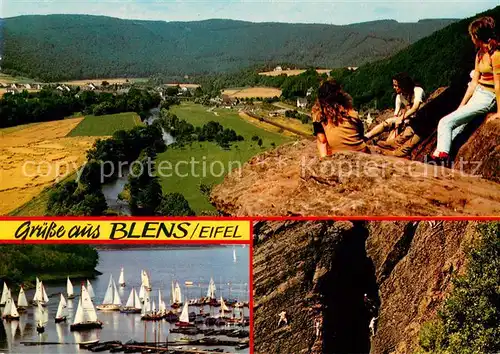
x: 91, y: 87
x: 301, y: 102
x: 278, y: 68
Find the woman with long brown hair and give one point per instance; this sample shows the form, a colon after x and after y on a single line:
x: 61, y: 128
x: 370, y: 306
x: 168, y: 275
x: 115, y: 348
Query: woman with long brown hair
x: 336, y: 123
x: 483, y: 91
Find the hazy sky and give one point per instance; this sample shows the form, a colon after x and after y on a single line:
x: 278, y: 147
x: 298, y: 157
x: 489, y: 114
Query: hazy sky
x: 331, y: 12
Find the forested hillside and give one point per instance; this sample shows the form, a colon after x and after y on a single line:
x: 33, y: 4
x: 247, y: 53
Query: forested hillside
x: 57, y: 47
x: 437, y: 60
x: 18, y: 263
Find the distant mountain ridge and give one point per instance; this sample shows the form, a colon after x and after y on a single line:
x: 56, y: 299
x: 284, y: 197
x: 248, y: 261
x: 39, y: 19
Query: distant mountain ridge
x: 56, y: 47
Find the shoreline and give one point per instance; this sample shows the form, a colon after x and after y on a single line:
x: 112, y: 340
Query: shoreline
x: 47, y: 278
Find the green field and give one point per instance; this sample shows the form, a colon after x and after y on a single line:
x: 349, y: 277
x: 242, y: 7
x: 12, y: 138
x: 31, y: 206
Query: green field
x: 209, y: 154
x: 106, y: 125
x: 7, y: 79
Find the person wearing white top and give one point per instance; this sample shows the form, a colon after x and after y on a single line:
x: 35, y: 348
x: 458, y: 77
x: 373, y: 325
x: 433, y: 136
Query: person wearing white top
x: 409, y: 99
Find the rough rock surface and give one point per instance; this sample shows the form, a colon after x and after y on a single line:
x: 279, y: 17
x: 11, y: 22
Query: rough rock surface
x: 319, y: 271
x: 292, y: 180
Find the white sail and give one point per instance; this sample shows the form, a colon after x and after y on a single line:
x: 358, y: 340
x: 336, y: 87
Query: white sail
x: 21, y: 299
x: 13, y: 309
x: 163, y: 307
x: 173, y: 292
x: 178, y: 294
x: 90, y: 289
x: 130, y: 300
x: 223, y: 306
x: 146, y: 307
x: 234, y: 254
x: 141, y: 293
x: 5, y: 292
x: 161, y: 304
x: 137, y: 301
x: 211, y: 289
x: 62, y: 309
x: 69, y: 288
x: 185, y: 313
x: 8, y: 305
x: 145, y: 279
x: 85, y: 311
x: 45, y: 298
x: 109, y: 296
x: 116, y: 296
x: 153, y: 307
x: 121, y: 279
x: 38, y: 291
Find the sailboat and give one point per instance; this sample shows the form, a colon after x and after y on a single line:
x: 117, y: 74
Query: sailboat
x: 176, y: 295
x: 145, y: 280
x: 234, y: 254
x: 41, y: 318
x: 162, y: 309
x: 211, y: 299
x: 86, y: 316
x: 121, y: 279
x: 133, y: 304
x: 5, y: 293
x: 10, y: 312
x: 22, y: 302
x: 69, y: 289
x: 90, y: 289
x: 40, y: 294
x: 221, y: 321
x: 184, y: 317
x: 62, y: 310
x: 111, y: 300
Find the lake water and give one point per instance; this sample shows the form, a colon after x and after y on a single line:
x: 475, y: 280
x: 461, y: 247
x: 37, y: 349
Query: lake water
x: 112, y: 189
x: 194, y: 265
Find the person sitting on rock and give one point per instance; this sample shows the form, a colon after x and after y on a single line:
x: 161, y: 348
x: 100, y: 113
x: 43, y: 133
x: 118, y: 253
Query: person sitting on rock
x: 482, y: 93
x: 409, y: 99
x: 336, y: 124
x: 283, y: 318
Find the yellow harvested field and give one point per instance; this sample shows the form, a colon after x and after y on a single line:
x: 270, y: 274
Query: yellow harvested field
x: 292, y: 72
x: 185, y: 85
x: 252, y: 92
x: 36, y: 157
x: 99, y: 81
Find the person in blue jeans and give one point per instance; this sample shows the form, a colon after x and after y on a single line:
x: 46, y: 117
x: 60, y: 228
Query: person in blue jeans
x: 483, y: 91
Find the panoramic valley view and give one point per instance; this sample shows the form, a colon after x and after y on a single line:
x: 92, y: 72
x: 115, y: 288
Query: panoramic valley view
x: 132, y: 117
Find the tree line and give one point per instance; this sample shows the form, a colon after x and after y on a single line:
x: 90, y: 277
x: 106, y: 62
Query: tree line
x: 51, y: 104
x: 19, y: 263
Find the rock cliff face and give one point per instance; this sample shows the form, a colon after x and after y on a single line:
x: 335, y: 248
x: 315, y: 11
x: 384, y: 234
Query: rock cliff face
x: 292, y: 180
x: 319, y: 271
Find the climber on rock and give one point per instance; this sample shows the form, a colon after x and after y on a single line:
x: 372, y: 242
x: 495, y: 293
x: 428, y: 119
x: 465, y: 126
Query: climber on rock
x: 282, y: 319
x: 335, y: 122
x: 483, y: 91
x: 373, y: 325
x: 409, y: 100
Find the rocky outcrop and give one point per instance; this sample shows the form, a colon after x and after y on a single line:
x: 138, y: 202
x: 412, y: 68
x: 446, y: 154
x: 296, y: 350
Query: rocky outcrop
x: 319, y: 271
x: 292, y: 180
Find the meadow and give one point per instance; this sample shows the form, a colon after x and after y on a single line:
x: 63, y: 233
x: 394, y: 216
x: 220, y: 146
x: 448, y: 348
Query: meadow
x: 106, y: 125
x: 195, y: 162
x: 251, y: 92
